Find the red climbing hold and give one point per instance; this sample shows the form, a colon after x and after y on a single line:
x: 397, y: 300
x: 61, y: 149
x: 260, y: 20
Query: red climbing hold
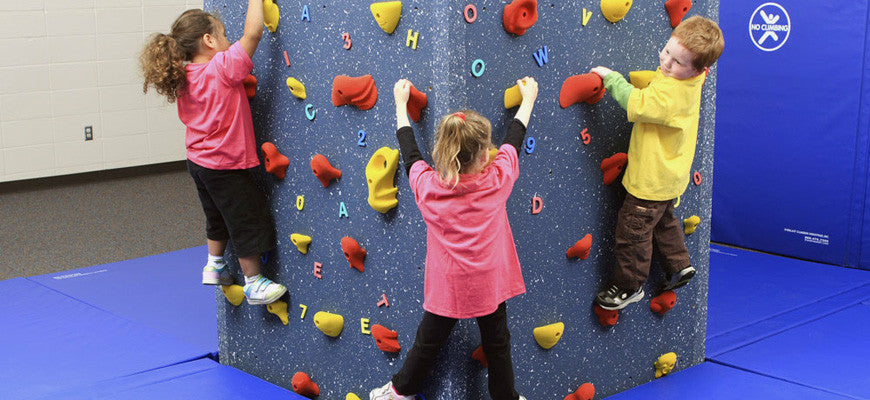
x: 359, y: 91
x: 354, y: 254
x: 677, y: 9
x: 586, y: 391
x: 581, y: 248
x: 520, y: 15
x: 416, y: 102
x: 612, y: 166
x: 324, y: 170
x: 303, y: 385
x: 480, y: 356
x: 386, y: 339
x: 276, y: 163
x: 606, y: 317
x: 663, y: 302
x: 588, y: 88
x: 250, y: 84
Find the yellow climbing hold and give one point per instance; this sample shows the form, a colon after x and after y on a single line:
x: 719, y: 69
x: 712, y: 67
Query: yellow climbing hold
x: 301, y: 241
x: 547, y: 336
x: 512, y: 96
x: 387, y: 14
x: 492, y: 153
x: 691, y: 223
x: 665, y: 364
x: 615, y: 10
x: 235, y: 294
x: 329, y: 323
x: 296, y: 88
x: 351, y: 396
x: 279, y: 308
x: 641, y: 79
x: 271, y: 15
x: 380, y: 175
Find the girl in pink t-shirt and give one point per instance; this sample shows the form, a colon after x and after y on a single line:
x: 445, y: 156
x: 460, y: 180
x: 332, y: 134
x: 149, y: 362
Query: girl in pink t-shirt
x: 197, y: 67
x: 471, y: 261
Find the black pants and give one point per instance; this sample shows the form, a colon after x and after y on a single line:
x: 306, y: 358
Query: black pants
x: 643, y: 226
x: 235, y: 208
x: 431, y: 335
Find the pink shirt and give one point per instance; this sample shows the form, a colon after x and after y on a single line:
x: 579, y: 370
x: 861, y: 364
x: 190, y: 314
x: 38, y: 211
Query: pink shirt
x: 471, y: 260
x: 215, y: 109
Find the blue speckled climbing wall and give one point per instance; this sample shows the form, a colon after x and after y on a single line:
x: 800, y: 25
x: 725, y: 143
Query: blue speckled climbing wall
x: 562, y: 171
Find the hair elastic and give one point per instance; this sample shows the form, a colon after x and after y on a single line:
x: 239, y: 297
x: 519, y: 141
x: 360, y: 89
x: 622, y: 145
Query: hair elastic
x: 461, y: 115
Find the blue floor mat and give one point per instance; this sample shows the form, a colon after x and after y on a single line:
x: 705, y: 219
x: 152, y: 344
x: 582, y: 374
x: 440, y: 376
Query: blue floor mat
x: 163, y: 292
x: 52, y: 342
x: 710, y: 381
x: 752, y: 295
x: 199, y: 379
x: 829, y: 353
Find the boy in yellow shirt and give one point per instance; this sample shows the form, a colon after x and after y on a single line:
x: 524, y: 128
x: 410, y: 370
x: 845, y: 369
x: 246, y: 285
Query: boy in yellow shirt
x: 660, y: 153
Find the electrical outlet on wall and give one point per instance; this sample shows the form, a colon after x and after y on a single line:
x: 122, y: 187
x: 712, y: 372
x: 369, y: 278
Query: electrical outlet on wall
x: 89, y: 132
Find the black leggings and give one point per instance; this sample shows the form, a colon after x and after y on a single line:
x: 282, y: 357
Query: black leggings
x: 431, y: 335
x: 235, y: 208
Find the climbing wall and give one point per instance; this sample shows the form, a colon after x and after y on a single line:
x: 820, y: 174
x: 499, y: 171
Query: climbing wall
x: 562, y: 170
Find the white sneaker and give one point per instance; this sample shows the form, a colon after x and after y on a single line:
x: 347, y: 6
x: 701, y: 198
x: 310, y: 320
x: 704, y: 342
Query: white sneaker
x: 263, y: 291
x: 387, y: 392
x: 216, y: 274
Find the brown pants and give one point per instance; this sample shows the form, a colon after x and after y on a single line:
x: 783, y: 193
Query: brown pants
x: 644, y: 225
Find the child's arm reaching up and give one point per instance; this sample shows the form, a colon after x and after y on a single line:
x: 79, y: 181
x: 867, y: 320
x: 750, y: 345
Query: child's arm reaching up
x: 404, y: 133
x: 517, y: 132
x: 616, y: 84
x: 253, y: 27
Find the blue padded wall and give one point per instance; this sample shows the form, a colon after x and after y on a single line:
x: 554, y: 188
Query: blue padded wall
x: 792, y: 148
x: 561, y: 170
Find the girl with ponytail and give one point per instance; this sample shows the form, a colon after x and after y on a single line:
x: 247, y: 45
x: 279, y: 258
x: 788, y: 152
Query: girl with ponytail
x: 472, y: 266
x: 197, y: 67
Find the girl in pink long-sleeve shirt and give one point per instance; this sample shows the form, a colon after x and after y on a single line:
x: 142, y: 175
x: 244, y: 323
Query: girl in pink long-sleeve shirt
x: 471, y: 261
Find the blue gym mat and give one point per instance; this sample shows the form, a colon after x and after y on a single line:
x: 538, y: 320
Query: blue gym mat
x: 163, y: 292
x: 828, y: 354
x: 199, y: 379
x: 754, y: 295
x: 52, y: 342
x: 710, y: 381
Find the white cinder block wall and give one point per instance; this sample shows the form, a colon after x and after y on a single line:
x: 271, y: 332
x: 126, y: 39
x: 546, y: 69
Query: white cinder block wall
x: 68, y: 64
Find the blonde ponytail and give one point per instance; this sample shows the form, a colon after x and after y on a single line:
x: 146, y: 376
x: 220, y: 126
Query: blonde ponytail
x: 460, y: 138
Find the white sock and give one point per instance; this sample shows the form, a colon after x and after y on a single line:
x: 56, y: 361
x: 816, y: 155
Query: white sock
x: 252, y: 279
x: 215, y: 260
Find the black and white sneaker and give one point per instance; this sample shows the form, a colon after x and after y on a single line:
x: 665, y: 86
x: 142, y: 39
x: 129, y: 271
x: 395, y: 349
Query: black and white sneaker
x: 614, y: 298
x: 679, y: 279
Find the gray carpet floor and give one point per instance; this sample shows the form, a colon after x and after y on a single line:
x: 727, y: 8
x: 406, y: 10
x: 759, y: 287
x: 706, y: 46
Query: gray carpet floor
x: 68, y: 222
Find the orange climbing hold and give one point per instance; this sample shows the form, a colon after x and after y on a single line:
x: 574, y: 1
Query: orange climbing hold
x: 520, y: 15
x: 386, y: 339
x: 303, y: 385
x: 359, y: 91
x: 586, y: 391
x: 250, y: 84
x: 324, y: 170
x: 480, y: 356
x: 276, y: 163
x: 677, y: 9
x: 588, y: 88
x: 354, y: 253
x: 612, y: 166
x: 606, y: 317
x: 581, y: 248
x: 416, y: 103
x: 663, y: 302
